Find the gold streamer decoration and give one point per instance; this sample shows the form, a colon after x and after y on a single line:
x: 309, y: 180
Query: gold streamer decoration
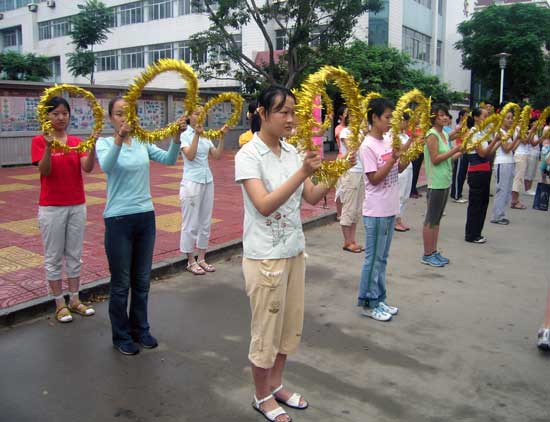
x: 490, y: 126
x: 314, y: 85
x: 419, y: 117
x: 134, y: 93
x: 541, y: 121
x: 524, y: 121
x: 365, y: 101
x: 516, y: 111
x: 46, y: 124
x: 236, y: 101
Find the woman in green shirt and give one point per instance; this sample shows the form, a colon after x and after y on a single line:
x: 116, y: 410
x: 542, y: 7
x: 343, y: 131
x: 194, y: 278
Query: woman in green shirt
x: 439, y: 172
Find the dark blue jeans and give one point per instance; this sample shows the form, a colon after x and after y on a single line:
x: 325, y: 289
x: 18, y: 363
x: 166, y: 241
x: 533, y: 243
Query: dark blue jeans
x: 129, y: 243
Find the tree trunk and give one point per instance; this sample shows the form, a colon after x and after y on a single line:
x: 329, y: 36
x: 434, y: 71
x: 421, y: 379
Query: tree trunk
x: 93, y: 68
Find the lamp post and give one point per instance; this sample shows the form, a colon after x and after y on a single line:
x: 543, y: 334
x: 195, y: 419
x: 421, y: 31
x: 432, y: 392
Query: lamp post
x: 502, y: 57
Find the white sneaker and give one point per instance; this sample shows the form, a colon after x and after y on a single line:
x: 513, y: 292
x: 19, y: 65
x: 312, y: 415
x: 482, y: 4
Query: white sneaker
x: 460, y: 201
x: 376, y: 313
x: 544, y: 339
x: 389, y: 309
x: 531, y: 192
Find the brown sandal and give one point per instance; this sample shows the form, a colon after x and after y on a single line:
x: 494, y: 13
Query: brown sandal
x: 518, y: 206
x: 63, y: 315
x: 353, y: 248
x: 195, y: 269
x: 82, y: 309
x: 206, y: 266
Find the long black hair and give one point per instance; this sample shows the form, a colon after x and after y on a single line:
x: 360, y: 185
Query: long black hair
x: 55, y: 102
x: 476, y: 112
x: 436, y: 108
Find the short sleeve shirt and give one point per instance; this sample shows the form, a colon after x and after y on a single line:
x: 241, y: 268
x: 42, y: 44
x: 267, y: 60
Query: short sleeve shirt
x: 381, y: 200
x: 196, y: 170
x: 64, y: 185
x: 279, y: 235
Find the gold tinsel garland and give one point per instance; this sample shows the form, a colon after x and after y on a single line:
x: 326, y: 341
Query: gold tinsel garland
x: 516, y: 112
x: 314, y: 85
x: 419, y: 117
x: 366, y: 100
x: 524, y: 121
x: 541, y: 121
x: 494, y: 121
x: 236, y: 101
x: 46, y: 124
x: 134, y: 93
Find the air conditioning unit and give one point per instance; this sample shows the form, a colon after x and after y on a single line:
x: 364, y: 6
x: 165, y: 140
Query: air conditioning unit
x: 50, y: 3
x: 33, y: 7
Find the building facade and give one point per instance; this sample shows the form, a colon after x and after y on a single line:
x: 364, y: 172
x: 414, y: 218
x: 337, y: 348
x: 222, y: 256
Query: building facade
x: 146, y: 30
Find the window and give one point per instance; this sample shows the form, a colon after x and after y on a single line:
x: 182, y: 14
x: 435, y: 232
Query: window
x: 131, y: 13
x: 416, y: 44
x: 44, y: 30
x: 184, y: 7
x: 60, y: 27
x: 113, y: 21
x: 440, y: 7
x: 6, y: 5
x: 55, y: 69
x: 106, y: 60
x: 11, y: 38
x: 132, y: 58
x: 379, y: 25
x: 184, y: 52
x: 317, y: 37
x: 160, y: 51
x: 160, y: 9
x: 197, y: 6
x: 281, y: 39
x: 426, y: 3
x: 439, y: 49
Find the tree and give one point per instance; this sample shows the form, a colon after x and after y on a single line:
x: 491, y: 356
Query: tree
x: 520, y: 29
x: 24, y: 67
x: 307, y: 27
x: 88, y: 28
x: 387, y: 71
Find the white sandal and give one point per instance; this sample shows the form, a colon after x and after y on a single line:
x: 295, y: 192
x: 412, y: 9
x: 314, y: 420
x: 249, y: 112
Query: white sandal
x: 270, y: 415
x: 293, y: 401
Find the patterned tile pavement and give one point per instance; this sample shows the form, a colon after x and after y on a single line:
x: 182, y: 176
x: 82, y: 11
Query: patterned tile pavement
x: 21, y: 271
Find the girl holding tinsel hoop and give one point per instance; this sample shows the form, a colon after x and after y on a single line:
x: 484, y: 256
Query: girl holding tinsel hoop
x: 479, y: 178
x: 130, y: 225
x: 197, y: 192
x: 438, y: 155
x: 274, y: 181
x: 62, y: 207
x: 381, y: 164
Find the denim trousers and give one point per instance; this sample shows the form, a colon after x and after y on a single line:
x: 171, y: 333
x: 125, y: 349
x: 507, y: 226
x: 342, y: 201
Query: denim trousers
x: 372, y: 286
x: 129, y: 243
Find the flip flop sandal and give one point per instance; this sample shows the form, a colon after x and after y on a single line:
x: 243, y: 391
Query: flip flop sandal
x: 400, y: 229
x: 195, y: 269
x: 270, y: 415
x: 518, y: 206
x: 63, y: 315
x: 82, y: 309
x: 206, y: 267
x: 350, y: 248
x: 293, y: 401
x: 360, y: 247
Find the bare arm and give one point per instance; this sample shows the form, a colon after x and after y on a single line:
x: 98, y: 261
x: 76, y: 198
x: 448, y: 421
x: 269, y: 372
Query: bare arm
x: 375, y: 177
x: 491, y: 148
x: 190, y: 152
x: 217, y: 152
x: 433, y: 148
x: 45, y: 164
x: 268, y: 202
x: 87, y: 163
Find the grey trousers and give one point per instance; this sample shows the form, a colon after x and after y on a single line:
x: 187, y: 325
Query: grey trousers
x: 62, y: 230
x: 504, y: 174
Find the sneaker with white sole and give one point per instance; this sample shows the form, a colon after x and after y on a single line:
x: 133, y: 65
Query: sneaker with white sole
x: 392, y: 310
x: 441, y: 258
x: 431, y: 260
x: 460, y: 201
x: 531, y: 192
x: 543, y: 341
x: 376, y: 313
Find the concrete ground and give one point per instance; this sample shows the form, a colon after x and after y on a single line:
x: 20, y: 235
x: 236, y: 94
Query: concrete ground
x: 461, y: 349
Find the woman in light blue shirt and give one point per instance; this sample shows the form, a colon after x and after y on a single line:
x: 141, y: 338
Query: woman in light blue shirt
x: 197, y: 193
x: 130, y: 227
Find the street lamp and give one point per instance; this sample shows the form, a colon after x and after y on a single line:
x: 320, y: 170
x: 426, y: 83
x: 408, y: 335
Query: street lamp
x: 502, y: 57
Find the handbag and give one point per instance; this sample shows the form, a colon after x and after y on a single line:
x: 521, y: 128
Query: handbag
x: 542, y: 197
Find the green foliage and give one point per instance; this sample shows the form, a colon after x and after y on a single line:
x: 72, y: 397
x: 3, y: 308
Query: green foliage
x: 24, y: 67
x: 89, y: 27
x: 385, y: 70
x: 309, y: 27
x: 520, y: 29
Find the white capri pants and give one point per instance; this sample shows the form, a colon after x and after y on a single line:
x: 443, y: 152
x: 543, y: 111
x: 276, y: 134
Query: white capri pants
x: 197, y: 202
x: 405, y: 184
x: 62, y: 230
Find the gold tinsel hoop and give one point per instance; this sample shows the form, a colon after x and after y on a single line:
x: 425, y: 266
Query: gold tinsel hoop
x: 366, y: 100
x: 517, y: 113
x: 134, y: 93
x: 236, y: 101
x: 490, y: 126
x: 419, y: 117
x: 541, y: 121
x: 314, y: 85
x: 524, y: 121
x: 46, y: 124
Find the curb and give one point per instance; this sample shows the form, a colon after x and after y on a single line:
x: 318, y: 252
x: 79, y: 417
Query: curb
x: 40, y: 306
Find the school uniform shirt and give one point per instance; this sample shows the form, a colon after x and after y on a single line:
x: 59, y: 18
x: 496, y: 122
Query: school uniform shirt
x: 196, y: 170
x: 344, y: 136
x: 502, y: 157
x: 280, y: 234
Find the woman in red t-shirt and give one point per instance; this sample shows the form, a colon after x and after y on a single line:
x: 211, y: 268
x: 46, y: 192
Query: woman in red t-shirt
x: 62, y: 208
